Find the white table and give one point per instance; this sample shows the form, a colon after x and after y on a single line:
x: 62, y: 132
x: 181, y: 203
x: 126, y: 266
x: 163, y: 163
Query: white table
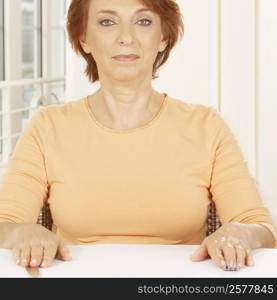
x: 139, y: 260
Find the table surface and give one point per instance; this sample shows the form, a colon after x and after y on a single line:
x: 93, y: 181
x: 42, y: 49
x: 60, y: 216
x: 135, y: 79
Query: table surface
x: 139, y: 260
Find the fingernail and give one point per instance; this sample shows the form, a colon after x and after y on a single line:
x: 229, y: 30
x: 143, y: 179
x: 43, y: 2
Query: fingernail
x: 234, y: 265
x: 251, y: 262
x: 18, y: 261
x: 227, y: 267
x: 43, y: 263
x: 194, y: 254
x: 223, y: 264
x: 230, y: 265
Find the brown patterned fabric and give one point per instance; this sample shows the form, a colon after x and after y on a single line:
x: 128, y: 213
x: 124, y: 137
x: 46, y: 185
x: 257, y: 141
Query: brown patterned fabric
x: 213, y: 222
x: 45, y: 218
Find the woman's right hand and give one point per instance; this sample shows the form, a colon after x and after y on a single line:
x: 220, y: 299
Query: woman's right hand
x: 33, y: 245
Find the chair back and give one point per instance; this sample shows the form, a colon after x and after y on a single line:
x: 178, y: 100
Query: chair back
x: 213, y: 222
x: 45, y: 217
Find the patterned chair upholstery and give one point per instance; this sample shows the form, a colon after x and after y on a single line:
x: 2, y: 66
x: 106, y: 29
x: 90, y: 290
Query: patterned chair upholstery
x: 45, y: 218
x: 213, y: 222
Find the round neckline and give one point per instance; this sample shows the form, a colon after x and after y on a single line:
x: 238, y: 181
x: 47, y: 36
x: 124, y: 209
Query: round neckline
x: 150, y: 123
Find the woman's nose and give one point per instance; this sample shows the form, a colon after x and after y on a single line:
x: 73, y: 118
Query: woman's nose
x: 126, y: 34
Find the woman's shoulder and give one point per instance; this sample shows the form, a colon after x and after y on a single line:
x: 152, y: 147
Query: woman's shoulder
x: 65, y: 108
x: 57, y: 117
x: 188, y: 108
x: 60, y: 113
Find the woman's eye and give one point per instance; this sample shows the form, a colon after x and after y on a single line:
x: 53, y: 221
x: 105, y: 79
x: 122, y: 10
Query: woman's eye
x: 101, y: 22
x: 149, y: 21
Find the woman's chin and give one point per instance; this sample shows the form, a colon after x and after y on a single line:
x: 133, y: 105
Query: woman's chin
x: 125, y: 76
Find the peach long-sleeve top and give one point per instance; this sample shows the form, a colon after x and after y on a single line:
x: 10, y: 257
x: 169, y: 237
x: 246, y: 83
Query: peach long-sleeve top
x: 150, y: 184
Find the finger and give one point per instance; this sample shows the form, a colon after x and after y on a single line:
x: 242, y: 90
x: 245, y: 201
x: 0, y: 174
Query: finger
x: 63, y: 252
x: 241, y: 255
x: 249, y: 258
x: 200, y: 253
x: 36, y: 255
x: 229, y: 253
x: 49, y: 255
x: 33, y: 271
x: 217, y: 257
x: 25, y: 255
x: 16, y: 252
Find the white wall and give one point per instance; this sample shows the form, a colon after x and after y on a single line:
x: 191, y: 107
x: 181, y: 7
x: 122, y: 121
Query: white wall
x: 227, y: 59
x: 77, y: 84
x: 267, y: 104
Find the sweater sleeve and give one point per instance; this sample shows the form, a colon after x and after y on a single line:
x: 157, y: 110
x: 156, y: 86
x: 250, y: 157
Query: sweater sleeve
x: 232, y: 187
x: 23, y: 187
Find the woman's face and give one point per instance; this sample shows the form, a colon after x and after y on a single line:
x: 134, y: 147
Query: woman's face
x: 125, y: 31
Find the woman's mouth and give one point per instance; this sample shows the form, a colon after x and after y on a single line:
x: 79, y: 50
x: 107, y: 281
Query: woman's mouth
x: 130, y: 57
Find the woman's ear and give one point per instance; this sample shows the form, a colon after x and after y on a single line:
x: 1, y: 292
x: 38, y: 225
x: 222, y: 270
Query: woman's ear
x: 163, y: 45
x: 84, y: 45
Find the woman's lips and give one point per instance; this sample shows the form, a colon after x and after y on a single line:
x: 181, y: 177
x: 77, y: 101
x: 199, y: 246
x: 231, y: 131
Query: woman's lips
x: 130, y: 57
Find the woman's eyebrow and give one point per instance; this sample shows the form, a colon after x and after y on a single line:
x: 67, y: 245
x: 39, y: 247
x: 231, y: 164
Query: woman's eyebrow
x: 113, y: 12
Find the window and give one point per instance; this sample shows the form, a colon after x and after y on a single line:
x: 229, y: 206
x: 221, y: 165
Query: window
x: 32, y: 71
x: 31, y: 38
x: 31, y: 57
x: 58, y: 10
x: 57, y: 41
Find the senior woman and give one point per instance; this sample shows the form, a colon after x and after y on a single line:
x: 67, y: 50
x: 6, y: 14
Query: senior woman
x: 128, y: 164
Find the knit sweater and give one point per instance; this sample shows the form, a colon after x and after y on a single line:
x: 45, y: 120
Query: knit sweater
x: 151, y: 184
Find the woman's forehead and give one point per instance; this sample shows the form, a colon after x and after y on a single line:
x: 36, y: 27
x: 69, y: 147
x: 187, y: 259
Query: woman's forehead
x: 117, y: 7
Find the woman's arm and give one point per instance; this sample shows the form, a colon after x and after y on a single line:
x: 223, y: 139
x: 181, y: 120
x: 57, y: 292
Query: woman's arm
x: 246, y: 221
x: 230, y: 245
x: 24, y: 185
x: 260, y: 236
x: 6, y: 229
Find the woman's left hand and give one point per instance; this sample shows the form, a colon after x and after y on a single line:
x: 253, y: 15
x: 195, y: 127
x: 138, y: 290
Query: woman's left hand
x: 229, y: 247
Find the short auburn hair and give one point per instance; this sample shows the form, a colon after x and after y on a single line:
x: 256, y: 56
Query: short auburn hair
x: 171, y: 22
